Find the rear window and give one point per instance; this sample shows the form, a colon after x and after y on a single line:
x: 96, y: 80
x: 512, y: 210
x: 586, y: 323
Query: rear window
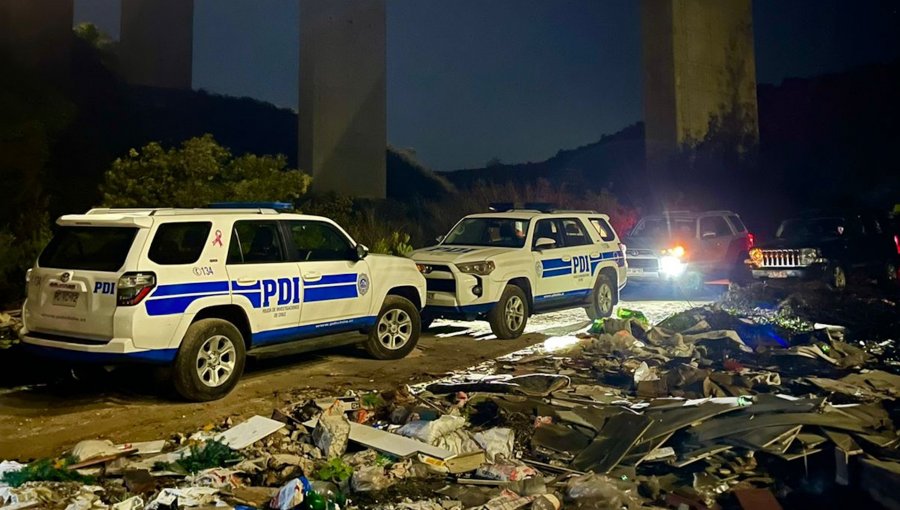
x: 88, y: 248
x: 179, y: 243
x: 606, y: 232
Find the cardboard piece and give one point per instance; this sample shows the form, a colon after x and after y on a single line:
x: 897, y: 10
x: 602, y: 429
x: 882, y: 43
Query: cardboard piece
x: 245, y: 434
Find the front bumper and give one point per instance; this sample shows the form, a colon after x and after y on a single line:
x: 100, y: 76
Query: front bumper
x: 812, y: 272
x: 461, y: 296
x: 74, y: 350
x: 655, y: 269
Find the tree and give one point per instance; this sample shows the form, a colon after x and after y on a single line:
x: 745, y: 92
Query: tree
x: 199, y: 172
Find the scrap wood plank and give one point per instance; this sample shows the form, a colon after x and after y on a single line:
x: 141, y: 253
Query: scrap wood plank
x: 843, y: 441
x: 763, y: 437
x: 700, y: 454
x: 613, y: 442
x: 731, y: 425
x: 644, y: 449
x: 669, y: 421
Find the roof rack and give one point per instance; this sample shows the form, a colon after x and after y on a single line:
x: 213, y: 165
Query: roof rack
x: 169, y: 211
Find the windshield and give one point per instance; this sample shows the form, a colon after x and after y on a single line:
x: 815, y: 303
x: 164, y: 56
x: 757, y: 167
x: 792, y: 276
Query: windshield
x: 812, y: 227
x: 499, y: 232
x: 665, y: 227
x: 88, y: 248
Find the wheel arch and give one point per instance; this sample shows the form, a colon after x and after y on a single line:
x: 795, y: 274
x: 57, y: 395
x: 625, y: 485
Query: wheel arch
x: 525, y: 284
x: 231, y: 313
x: 409, y: 292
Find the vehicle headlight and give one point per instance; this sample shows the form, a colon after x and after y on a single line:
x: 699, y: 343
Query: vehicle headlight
x: 424, y: 268
x: 480, y: 268
x: 671, y: 265
x: 756, y: 256
x: 809, y: 255
x: 676, y: 251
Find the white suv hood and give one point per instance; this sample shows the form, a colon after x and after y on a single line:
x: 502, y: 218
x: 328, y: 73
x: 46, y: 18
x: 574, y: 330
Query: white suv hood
x: 457, y: 254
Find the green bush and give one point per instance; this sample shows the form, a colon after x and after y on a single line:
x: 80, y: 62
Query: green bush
x: 199, y: 172
x: 20, y: 246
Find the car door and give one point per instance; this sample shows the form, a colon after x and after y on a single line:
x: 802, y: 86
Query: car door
x: 335, y: 281
x: 579, y: 245
x: 558, y: 267
x: 715, y: 239
x: 263, y: 280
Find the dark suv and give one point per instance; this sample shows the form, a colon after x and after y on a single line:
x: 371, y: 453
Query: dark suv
x: 829, y: 246
x: 687, y: 247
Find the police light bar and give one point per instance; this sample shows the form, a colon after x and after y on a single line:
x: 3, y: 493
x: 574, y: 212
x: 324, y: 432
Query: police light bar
x: 278, y: 206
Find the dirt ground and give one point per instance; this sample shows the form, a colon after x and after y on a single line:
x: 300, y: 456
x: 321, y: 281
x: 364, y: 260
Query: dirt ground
x: 127, y: 405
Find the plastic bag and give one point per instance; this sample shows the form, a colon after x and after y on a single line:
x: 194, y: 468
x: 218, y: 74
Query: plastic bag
x: 599, y: 491
x: 496, y: 442
x: 332, y: 432
x: 369, y: 478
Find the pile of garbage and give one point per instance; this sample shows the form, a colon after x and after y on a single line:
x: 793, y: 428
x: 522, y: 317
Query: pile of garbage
x: 706, y: 409
x: 10, y: 324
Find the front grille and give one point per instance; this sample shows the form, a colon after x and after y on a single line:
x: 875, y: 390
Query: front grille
x: 440, y: 285
x: 439, y: 267
x: 781, y: 258
x: 648, y: 264
x: 638, y: 253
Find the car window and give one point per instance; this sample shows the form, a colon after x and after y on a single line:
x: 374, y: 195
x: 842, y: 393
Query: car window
x: 574, y: 233
x: 714, y: 226
x: 499, y: 232
x: 737, y: 223
x: 604, y: 229
x: 255, y: 242
x: 666, y: 227
x: 88, y: 248
x: 316, y: 240
x: 548, y: 229
x: 179, y: 243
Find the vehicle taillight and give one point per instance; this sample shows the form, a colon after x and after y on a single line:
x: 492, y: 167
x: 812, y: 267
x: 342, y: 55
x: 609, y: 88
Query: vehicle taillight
x: 751, y: 240
x: 134, y: 287
x: 897, y: 243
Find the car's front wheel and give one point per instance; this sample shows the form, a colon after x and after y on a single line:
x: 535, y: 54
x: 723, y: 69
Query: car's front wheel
x: 509, y: 316
x: 603, y: 298
x: 396, y: 330
x: 210, y: 361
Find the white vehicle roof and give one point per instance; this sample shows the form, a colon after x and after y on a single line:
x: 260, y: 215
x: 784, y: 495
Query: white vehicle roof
x: 521, y: 214
x: 144, y: 217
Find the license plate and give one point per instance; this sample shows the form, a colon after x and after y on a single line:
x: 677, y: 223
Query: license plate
x: 635, y: 270
x: 778, y: 274
x: 65, y: 298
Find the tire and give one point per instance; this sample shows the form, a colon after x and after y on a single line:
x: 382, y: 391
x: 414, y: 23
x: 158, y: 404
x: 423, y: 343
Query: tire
x: 396, y: 330
x: 604, y: 298
x: 837, y: 277
x: 509, y: 316
x: 210, y: 361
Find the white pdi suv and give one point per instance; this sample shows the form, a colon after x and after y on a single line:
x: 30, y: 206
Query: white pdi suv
x: 201, y: 289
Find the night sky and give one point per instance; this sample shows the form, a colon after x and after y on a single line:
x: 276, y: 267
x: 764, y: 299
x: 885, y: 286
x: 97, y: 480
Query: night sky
x: 471, y: 80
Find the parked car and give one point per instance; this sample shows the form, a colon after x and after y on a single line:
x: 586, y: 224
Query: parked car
x: 507, y: 265
x: 202, y: 289
x: 829, y: 246
x: 687, y: 247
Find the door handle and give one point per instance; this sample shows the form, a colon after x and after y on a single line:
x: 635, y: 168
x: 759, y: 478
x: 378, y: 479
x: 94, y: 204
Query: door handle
x: 595, y: 255
x: 245, y: 281
x: 567, y: 259
x: 312, y: 276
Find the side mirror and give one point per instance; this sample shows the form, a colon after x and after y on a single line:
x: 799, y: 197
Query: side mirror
x: 361, y: 251
x: 544, y: 243
x: 439, y: 239
x: 708, y: 235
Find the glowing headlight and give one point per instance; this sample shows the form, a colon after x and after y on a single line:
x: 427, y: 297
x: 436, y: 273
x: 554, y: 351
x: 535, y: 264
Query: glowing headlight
x: 480, y: 268
x: 677, y: 251
x: 756, y: 256
x: 670, y: 265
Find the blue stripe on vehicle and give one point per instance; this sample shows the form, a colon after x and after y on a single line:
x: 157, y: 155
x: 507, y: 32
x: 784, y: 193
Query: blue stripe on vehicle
x: 275, y: 336
x: 254, y: 297
x: 563, y: 296
x: 315, y: 294
x: 555, y: 264
x: 173, y: 305
x: 332, y: 279
x: 155, y: 356
x: 190, y: 288
x: 556, y: 272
